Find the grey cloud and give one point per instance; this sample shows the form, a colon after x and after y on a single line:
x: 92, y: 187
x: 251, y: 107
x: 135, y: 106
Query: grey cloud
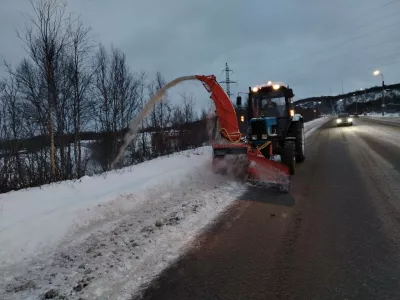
x: 306, y: 43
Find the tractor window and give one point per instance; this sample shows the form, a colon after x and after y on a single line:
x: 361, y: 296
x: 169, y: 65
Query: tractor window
x: 268, y: 107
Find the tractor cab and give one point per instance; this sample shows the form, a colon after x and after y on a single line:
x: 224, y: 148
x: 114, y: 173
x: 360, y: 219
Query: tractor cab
x: 271, y: 100
x: 272, y: 122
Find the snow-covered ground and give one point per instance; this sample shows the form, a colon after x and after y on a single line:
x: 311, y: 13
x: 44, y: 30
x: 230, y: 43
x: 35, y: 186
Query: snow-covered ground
x: 311, y: 126
x: 389, y: 118
x: 102, y: 237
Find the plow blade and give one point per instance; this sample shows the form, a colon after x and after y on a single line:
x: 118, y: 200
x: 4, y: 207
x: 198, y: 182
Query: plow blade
x: 268, y: 173
x: 250, y: 165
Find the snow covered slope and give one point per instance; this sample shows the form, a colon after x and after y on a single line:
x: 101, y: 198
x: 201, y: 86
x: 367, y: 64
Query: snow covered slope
x: 103, y: 236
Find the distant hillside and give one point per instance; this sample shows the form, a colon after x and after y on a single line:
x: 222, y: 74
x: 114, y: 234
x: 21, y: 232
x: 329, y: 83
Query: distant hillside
x: 366, y: 100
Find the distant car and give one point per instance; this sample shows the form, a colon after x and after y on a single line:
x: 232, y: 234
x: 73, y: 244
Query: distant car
x: 344, y: 119
x: 355, y: 116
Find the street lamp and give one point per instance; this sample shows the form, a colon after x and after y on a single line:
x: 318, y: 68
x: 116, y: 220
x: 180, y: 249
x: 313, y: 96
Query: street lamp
x: 376, y: 73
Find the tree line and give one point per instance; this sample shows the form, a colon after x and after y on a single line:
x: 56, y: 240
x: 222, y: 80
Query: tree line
x: 64, y: 108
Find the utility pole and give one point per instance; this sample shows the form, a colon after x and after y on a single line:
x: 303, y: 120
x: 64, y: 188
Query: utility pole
x: 376, y: 73
x: 227, y: 79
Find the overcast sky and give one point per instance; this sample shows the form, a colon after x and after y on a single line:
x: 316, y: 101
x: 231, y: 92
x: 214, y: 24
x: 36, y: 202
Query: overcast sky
x: 312, y: 45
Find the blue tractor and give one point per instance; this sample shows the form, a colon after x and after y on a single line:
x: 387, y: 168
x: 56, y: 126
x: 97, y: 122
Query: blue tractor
x: 273, y: 126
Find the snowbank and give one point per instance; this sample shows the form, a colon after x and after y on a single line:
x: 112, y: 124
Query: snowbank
x: 311, y: 126
x: 40, y: 216
x: 379, y: 115
x: 390, y: 118
x: 122, y: 248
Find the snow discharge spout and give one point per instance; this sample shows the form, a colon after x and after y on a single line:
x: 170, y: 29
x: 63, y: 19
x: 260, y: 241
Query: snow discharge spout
x: 134, y: 127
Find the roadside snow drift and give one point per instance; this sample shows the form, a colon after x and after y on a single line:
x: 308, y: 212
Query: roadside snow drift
x: 389, y: 118
x: 311, y: 126
x: 102, y: 237
x: 34, y: 219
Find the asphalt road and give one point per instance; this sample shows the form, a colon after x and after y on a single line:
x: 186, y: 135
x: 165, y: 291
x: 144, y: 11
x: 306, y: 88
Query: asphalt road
x: 335, y: 236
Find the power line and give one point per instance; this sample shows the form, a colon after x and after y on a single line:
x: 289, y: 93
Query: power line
x: 355, y: 38
x: 371, y: 23
x: 355, y: 64
x: 368, y: 66
x: 376, y: 8
x: 352, y: 40
x: 363, y: 49
x: 381, y: 43
x: 370, y: 33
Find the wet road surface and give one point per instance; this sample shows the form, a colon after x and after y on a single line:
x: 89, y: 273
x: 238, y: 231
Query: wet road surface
x: 336, y: 235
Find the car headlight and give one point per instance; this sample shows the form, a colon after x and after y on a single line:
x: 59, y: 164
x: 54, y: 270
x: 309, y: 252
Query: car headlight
x: 254, y: 137
x: 264, y: 136
x: 349, y: 120
x: 338, y: 121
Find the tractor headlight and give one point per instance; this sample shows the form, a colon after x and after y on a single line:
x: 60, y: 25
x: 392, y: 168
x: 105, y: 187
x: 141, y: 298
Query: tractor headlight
x: 349, y: 120
x: 254, y: 137
x: 338, y: 121
x: 264, y: 136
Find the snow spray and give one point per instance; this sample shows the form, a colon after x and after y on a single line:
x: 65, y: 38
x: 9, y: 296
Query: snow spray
x: 134, y: 127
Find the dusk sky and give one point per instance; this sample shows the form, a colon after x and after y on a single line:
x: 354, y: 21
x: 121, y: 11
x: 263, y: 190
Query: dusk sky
x: 312, y: 45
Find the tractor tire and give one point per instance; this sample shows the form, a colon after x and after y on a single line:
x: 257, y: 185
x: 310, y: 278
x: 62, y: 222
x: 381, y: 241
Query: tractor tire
x: 300, y: 142
x: 289, y: 156
x: 284, y: 189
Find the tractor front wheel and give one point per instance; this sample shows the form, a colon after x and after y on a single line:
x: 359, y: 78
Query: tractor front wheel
x: 289, y: 156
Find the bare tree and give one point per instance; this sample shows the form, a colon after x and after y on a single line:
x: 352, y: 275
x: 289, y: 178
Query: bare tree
x: 184, y: 112
x: 3, y: 129
x: 3, y: 138
x: 141, y: 98
x: 13, y: 119
x: 161, y: 114
x: 46, y: 37
x: 188, y: 107
x: 79, y: 79
x: 116, y: 90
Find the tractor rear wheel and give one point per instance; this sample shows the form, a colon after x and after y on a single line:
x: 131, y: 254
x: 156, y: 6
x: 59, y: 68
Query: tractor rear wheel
x: 289, y: 156
x: 300, y: 142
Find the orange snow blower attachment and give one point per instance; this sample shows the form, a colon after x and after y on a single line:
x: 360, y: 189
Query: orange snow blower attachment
x: 232, y: 154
